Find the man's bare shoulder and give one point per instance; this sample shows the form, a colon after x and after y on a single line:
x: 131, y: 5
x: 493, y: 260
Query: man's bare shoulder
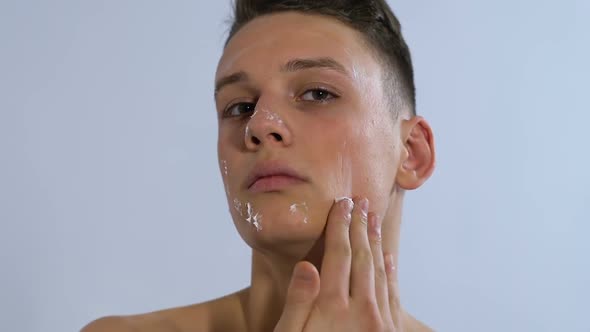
x: 210, y: 316
x: 411, y: 324
x: 167, y: 320
x: 111, y: 323
x: 421, y: 327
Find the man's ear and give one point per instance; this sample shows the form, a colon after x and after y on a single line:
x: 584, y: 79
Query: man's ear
x: 417, y: 158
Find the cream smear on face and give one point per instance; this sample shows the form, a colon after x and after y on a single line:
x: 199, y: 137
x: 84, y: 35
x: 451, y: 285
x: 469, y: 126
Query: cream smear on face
x: 270, y: 116
x: 254, y: 218
x: 266, y: 115
x: 225, y: 177
x: 246, y: 211
x: 300, y: 211
x: 238, y: 206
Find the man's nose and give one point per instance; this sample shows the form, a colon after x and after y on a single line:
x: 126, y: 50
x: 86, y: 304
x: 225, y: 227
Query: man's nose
x: 266, y: 128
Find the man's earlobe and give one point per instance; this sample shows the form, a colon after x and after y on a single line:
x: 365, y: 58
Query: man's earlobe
x: 417, y: 158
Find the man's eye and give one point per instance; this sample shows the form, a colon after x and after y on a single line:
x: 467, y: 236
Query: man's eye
x: 317, y: 95
x: 239, y: 109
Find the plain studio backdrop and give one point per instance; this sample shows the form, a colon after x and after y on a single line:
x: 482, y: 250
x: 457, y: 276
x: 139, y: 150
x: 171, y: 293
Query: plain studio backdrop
x: 111, y: 200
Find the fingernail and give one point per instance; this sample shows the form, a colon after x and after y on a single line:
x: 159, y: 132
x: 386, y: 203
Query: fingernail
x: 348, y: 203
x: 303, y: 275
x: 348, y: 206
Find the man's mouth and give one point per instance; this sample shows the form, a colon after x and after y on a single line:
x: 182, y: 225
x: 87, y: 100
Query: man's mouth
x: 272, y: 176
x: 275, y: 182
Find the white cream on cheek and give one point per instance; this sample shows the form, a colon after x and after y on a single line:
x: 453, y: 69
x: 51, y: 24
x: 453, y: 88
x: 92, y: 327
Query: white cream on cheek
x: 254, y: 218
x: 245, y: 210
x: 248, y: 213
x: 238, y: 206
x: 224, y: 174
x: 300, y: 212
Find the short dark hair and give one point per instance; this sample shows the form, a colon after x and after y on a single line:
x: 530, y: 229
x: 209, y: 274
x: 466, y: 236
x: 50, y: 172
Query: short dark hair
x: 374, y: 19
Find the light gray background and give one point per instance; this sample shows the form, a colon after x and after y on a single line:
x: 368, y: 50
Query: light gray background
x: 111, y: 201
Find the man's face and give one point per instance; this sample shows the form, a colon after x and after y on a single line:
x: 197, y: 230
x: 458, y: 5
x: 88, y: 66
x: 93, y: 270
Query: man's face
x: 324, y: 115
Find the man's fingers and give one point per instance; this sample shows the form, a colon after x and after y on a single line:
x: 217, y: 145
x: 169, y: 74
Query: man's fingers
x: 301, y: 294
x: 392, y: 285
x: 362, y: 279
x: 381, y: 289
x: 335, y: 277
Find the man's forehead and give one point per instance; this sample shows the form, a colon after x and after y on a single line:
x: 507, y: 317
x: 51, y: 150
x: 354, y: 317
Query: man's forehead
x: 271, y: 45
x: 288, y: 62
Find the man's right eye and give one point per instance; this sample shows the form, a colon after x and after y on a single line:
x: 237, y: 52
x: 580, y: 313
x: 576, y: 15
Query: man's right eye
x: 239, y: 109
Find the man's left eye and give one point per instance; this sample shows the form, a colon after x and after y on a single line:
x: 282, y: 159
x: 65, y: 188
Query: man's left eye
x: 317, y: 95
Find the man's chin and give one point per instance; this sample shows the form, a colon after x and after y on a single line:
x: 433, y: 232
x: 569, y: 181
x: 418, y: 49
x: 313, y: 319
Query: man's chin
x: 281, y: 224
x: 288, y: 240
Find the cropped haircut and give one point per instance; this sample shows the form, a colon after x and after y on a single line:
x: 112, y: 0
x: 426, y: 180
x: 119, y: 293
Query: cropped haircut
x: 374, y: 19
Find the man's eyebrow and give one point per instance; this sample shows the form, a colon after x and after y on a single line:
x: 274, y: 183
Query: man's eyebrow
x: 291, y: 66
x: 230, y: 79
x: 313, y: 63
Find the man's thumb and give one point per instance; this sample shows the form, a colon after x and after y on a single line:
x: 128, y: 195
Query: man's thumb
x: 303, y: 290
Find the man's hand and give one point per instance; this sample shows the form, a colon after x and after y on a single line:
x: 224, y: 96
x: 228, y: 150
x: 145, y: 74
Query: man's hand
x: 357, y: 290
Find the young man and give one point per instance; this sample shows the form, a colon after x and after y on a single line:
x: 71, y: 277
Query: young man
x: 318, y: 140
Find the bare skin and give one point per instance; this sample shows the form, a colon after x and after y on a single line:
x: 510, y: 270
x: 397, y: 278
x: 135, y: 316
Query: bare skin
x: 333, y: 125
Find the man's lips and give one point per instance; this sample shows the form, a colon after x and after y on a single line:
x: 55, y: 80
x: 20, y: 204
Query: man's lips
x: 273, y: 183
x: 271, y: 176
